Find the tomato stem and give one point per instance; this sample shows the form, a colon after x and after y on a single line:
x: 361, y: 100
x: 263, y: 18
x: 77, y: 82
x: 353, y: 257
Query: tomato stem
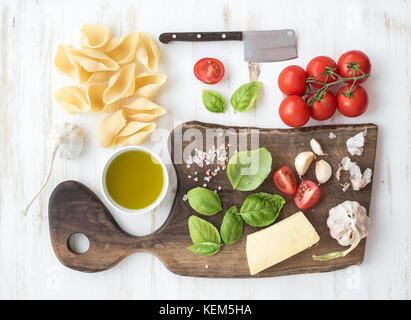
x: 318, y: 94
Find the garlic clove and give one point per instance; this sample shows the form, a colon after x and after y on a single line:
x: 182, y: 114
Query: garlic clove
x: 302, y: 162
x: 316, y: 147
x: 323, y: 171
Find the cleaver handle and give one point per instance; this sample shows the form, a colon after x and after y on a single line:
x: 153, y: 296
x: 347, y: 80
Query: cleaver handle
x: 201, y: 36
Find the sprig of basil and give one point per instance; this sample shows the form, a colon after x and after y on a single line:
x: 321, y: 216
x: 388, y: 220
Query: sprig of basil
x: 205, y: 237
x: 261, y: 209
x: 204, y: 201
x: 205, y: 248
x: 247, y: 170
x: 213, y: 101
x: 244, y: 97
x: 232, y: 226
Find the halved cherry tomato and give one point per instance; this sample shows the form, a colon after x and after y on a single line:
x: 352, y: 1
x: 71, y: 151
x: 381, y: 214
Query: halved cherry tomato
x: 209, y: 70
x: 294, y: 111
x: 291, y: 81
x: 285, y: 180
x: 350, y: 61
x: 325, y: 109
x: 307, y: 196
x: 354, y: 105
x: 316, y: 69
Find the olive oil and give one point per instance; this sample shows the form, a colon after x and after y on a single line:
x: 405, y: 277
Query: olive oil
x: 134, y: 179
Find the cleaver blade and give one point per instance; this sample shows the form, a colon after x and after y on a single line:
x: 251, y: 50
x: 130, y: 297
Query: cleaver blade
x: 270, y: 45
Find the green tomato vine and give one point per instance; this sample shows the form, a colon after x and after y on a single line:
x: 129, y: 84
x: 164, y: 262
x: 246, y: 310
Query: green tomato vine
x: 318, y: 94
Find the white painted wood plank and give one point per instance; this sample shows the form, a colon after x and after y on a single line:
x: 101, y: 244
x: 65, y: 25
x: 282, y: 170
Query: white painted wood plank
x: 30, y: 32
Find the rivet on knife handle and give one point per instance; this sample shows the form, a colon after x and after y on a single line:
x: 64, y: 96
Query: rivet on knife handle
x: 200, y: 36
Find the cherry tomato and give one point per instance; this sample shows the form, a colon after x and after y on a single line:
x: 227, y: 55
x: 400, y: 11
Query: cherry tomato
x: 291, y: 81
x: 209, y: 70
x: 316, y: 68
x: 294, y: 111
x: 352, y: 59
x: 355, y: 105
x: 285, y: 180
x: 325, y: 109
x: 307, y: 196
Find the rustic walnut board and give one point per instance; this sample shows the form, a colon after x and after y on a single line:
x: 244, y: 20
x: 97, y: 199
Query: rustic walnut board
x: 74, y: 208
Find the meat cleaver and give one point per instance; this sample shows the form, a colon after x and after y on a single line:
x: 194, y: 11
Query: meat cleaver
x: 259, y: 46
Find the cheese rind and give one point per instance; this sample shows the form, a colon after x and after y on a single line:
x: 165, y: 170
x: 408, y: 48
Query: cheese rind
x: 281, y: 241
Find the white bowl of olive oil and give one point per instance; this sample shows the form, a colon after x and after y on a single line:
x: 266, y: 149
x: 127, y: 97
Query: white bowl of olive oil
x: 134, y: 180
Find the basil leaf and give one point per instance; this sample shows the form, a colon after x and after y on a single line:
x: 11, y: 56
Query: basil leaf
x: 244, y: 97
x: 232, y: 226
x: 205, y: 248
x: 202, y: 231
x: 213, y: 101
x: 204, y: 201
x: 261, y: 209
x: 246, y: 170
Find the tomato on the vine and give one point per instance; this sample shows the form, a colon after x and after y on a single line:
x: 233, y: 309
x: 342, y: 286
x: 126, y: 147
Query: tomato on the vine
x: 307, y: 196
x: 354, y: 60
x: 352, y: 105
x: 209, y: 70
x: 291, y: 81
x: 316, y: 68
x: 325, y: 108
x: 294, y: 111
x: 285, y: 180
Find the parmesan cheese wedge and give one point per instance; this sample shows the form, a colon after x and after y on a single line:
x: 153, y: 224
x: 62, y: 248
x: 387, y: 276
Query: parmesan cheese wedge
x: 279, y: 242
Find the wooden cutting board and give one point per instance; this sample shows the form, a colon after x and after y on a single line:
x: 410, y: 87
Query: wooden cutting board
x: 74, y: 208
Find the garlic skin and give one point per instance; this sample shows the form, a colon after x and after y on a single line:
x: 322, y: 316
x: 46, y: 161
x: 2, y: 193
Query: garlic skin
x: 356, y: 143
x: 316, y: 147
x: 323, y: 171
x: 302, y: 162
x: 358, y: 180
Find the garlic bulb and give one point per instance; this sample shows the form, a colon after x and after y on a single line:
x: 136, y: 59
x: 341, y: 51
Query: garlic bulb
x: 348, y: 223
x: 69, y: 141
x: 302, y: 162
x: 316, y: 147
x: 323, y: 171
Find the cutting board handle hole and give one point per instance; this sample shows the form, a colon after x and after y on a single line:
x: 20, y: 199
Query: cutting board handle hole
x: 78, y: 243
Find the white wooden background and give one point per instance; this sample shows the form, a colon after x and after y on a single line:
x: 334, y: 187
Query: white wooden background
x: 30, y: 32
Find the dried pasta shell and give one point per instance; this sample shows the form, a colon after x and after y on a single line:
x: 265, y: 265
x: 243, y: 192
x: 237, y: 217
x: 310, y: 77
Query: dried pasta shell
x: 109, y: 127
x: 82, y: 75
x: 148, y: 52
x: 117, y: 105
x: 100, y: 77
x: 93, y: 60
x: 67, y: 66
x: 95, y: 96
x: 134, y: 133
x: 143, y: 110
x: 121, y: 84
x: 63, y: 63
x: 72, y: 99
x: 94, y: 35
x: 123, y: 49
x: 147, y: 84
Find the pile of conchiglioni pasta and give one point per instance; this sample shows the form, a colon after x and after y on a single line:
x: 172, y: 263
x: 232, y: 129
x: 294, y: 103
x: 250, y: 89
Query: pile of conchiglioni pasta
x: 115, y: 76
